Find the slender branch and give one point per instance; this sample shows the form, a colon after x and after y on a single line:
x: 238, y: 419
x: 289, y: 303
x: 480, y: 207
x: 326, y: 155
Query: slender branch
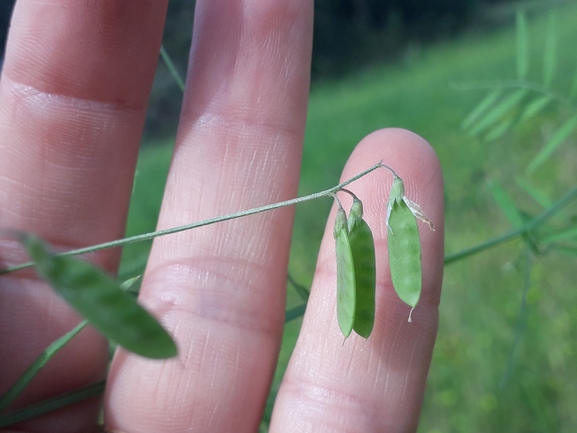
x: 522, y: 231
x: 152, y: 235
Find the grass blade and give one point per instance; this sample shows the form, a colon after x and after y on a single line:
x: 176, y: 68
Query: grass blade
x: 506, y: 204
x: 50, y: 404
x: 481, y: 108
x: 574, y: 87
x: 37, y: 365
x: 498, y: 111
x: 171, y: 68
x: 539, y: 197
x: 564, y: 234
x: 500, y: 129
x: 100, y: 299
x: 522, y: 46
x: 558, y: 138
x: 295, y: 313
x: 535, y: 107
x: 550, y: 54
x: 301, y: 290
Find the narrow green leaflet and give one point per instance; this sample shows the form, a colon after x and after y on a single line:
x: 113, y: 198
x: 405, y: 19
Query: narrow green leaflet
x: 574, y: 86
x: 363, y: 253
x: 99, y: 298
x: 554, y: 142
x: 50, y: 404
x: 37, y: 365
x: 550, y: 52
x: 301, y: 290
x: 564, y: 234
x: 346, y: 294
x: 535, y: 107
x: 498, y: 111
x: 522, y: 46
x: 498, y: 130
x: 171, y: 68
x: 295, y: 313
x: 481, y: 108
x: 539, y: 197
x: 506, y: 204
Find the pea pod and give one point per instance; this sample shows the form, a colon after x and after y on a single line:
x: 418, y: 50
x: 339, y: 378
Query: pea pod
x: 363, y: 253
x: 355, y: 271
x: 405, y: 253
x: 346, y: 294
x: 404, y: 243
x: 100, y: 299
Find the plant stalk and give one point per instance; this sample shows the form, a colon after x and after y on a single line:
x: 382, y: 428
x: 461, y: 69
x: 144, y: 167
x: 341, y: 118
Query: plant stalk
x: 152, y: 235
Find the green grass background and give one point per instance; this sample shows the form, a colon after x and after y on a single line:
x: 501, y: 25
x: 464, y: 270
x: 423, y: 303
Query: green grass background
x: 477, y: 382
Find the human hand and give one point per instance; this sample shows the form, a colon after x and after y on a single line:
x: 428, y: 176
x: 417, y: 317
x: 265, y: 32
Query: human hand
x: 73, y: 97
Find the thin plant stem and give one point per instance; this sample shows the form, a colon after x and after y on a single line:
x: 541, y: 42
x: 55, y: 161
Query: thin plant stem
x: 521, y: 320
x: 171, y: 68
x: 51, y: 404
x: 522, y: 231
x: 38, y: 365
x: 158, y: 233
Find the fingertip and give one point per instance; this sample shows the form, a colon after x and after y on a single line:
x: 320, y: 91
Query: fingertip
x: 404, y: 151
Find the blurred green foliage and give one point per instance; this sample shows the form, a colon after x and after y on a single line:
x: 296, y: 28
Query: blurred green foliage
x: 349, y: 35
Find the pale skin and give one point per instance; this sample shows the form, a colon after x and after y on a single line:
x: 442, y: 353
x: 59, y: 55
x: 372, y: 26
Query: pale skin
x: 73, y: 97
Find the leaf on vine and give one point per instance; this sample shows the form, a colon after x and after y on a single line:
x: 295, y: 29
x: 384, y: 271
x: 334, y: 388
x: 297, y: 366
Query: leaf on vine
x: 100, y: 299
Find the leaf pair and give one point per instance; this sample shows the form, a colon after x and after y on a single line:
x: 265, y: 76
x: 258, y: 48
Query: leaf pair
x: 356, y: 271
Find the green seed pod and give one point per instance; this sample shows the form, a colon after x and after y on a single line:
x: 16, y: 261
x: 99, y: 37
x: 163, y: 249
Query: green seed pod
x: 356, y: 271
x: 346, y: 295
x: 363, y: 253
x: 405, y: 253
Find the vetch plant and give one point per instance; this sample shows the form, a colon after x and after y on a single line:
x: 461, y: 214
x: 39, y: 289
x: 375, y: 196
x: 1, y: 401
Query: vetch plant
x: 107, y: 306
x: 517, y: 103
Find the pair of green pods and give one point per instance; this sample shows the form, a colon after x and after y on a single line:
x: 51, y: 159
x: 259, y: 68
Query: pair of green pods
x: 356, y: 271
x: 355, y: 251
